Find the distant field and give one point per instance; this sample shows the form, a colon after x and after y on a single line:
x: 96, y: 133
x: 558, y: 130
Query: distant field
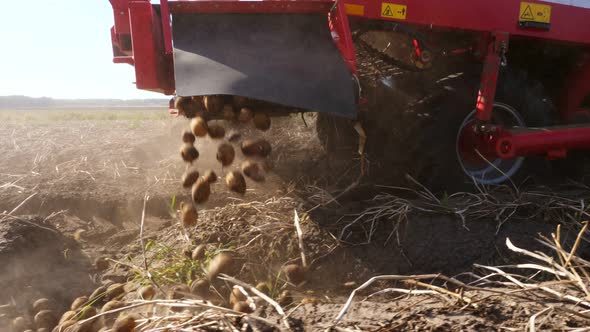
x: 43, y: 115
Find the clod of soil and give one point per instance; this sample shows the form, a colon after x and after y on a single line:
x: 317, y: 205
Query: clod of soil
x: 188, y: 137
x: 189, y: 178
x: 199, y: 252
x: 46, y: 319
x: 294, y: 273
x: 225, y: 154
x: 222, y: 263
x: 201, y: 191
x: 114, y: 291
x: 101, y: 263
x: 216, y: 131
x: 124, y: 324
x: 285, y: 298
x: 245, y: 115
x: 178, y: 292
x: 189, y: 153
x: 228, y: 113
x: 213, y: 103
x: 78, y: 303
x: 258, y: 147
x: 261, y: 121
x: 200, y: 288
x: 186, y: 106
x: 210, y: 176
x: 188, y: 215
x: 199, y: 126
x: 43, y: 304
x: 147, y: 292
x: 252, y: 170
x: 235, y: 182
x: 242, y: 307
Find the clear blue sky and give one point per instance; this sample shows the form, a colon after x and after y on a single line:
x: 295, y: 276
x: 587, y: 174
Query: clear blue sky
x: 61, y: 49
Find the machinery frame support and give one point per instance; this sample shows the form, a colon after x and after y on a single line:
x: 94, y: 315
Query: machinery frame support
x: 495, y: 57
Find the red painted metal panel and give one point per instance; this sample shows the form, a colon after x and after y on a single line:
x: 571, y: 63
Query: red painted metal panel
x: 263, y: 7
x: 568, y: 23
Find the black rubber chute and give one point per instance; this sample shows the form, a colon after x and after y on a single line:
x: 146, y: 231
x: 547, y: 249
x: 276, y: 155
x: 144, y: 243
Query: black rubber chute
x: 289, y: 59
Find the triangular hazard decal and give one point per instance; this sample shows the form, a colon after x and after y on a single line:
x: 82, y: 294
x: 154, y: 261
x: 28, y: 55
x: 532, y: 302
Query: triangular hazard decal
x: 387, y: 11
x: 527, y: 14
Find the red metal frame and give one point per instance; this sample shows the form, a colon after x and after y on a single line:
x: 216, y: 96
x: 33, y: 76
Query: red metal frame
x: 151, y: 51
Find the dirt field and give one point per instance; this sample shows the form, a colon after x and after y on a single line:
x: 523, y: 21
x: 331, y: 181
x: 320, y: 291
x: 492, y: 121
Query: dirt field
x: 73, y: 185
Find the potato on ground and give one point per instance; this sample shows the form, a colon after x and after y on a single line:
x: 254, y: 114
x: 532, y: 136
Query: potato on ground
x: 124, y: 324
x: 188, y: 215
x: 43, y: 304
x: 200, y: 288
x: 295, y: 273
x: 201, y: 191
x: 235, y: 182
x: 199, y: 252
x: 45, y: 318
x: 222, y: 263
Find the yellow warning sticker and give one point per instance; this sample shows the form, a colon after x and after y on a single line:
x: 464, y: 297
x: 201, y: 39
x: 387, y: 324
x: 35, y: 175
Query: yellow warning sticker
x: 534, y: 12
x: 354, y: 9
x: 392, y: 10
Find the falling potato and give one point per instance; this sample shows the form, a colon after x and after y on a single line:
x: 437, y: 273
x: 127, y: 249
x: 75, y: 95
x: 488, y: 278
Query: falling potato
x: 188, y: 137
x: 240, y: 101
x: 228, y: 113
x: 236, y: 296
x: 256, y: 147
x: 186, y: 106
x: 115, y: 290
x: 235, y: 182
x: 189, y: 153
x: 147, y: 292
x: 295, y: 273
x: 45, y: 318
x: 87, y: 312
x: 225, y: 154
x: 200, y: 288
x: 199, y: 252
x: 124, y: 324
x: 199, y: 126
x: 222, y: 263
x: 189, y: 178
x: 188, y: 215
x: 245, y: 115
x: 252, y: 170
x: 210, y: 176
x: 68, y: 315
x: 216, y: 131
x: 261, y: 121
x: 213, y: 103
x: 201, y: 191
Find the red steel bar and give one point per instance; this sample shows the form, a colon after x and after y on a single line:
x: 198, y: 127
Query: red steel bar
x: 554, y: 142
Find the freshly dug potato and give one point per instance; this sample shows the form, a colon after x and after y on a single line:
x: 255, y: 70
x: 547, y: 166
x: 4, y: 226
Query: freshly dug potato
x: 188, y: 137
x: 124, y: 324
x: 78, y: 303
x: 222, y: 263
x: 200, y: 288
x: 213, y: 103
x: 68, y: 315
x: 201, y: 191
x: 225, y: 154
x: 101, y: 263
x: 178, y: 292
x: 111, y: 305
x: 285, y: 298
x: 45, y: 318
x: 88, y: 312
x: 43, y: 304
x: 147, y: 292
x: 199, y: 252
x: 295, y: 273
x: 235, y: 182
x: 188, y: 214
x: 199, y: 126
x: 261, y: 121
x: 228, y: 113
x: 20, y: 324
x: 258, y: 147
x: 65, y: 326
x: 251, y: 170
x: 210, y: 176
x: 263, y: 287
x: 216, y: 131
x: 245, y: 115
x: 186, y: 106
x: 236, y: 296
x: 242, y: 306
x: 98, y: 293
x: 114, y: 291
x: 189, y: 153
x: 189, y: 178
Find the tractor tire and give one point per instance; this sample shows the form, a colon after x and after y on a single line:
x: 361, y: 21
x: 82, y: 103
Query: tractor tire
x: 436, y: 160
